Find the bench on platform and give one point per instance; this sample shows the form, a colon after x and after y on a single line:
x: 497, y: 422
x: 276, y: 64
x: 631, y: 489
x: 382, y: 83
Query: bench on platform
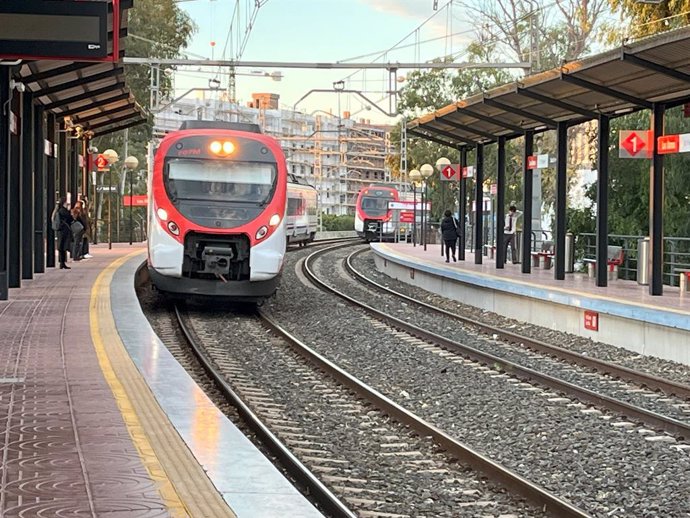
x: 684, y: 278
x: 543, y: 257
x: 614, y: 258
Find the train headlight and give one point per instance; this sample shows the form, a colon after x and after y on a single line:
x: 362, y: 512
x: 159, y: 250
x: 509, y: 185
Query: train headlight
x: 162, y: 214
x: 216, y: 147
x: 173, y: 228
x: 221, y: 148
x: 275, y: 220
x: 261, y: 233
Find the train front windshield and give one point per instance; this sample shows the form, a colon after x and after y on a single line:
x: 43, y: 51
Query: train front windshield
x: 220, y: 181
x: 375, y: 206
x: 220, y: 194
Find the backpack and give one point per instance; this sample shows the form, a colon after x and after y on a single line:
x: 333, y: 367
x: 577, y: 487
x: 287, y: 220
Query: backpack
x: 55, y: 220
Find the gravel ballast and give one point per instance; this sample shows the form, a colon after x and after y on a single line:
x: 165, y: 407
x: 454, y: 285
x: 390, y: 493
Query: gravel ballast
x: 587, y: 457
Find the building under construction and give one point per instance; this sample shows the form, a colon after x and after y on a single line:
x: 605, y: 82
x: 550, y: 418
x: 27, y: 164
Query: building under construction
x: 338, y: 155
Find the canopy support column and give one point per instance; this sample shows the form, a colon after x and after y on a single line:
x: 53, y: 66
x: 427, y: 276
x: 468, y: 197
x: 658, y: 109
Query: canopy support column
x: 4, y: 178
x: 479, y: 204
x: 14, y: 246
x: 656, y: 207
x: 561, y: 192
x: 527, y: 204
x: 27, y: 198
x: 51, y: 187
x: 500, y: 202
x: 462, y: 204
x: 39, y: 189
x: 602, y: 201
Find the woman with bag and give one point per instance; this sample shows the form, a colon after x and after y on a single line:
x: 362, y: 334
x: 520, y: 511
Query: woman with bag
x: 78, y: 227
x: 449, y: 232
x: 64, y: 232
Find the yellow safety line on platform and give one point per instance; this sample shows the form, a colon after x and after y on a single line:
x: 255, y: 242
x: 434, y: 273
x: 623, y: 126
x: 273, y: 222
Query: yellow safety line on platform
x: 183, y: 485
x: 99, y: 314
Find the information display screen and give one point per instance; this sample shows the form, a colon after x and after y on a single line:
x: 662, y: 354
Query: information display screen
x: 51, y: 28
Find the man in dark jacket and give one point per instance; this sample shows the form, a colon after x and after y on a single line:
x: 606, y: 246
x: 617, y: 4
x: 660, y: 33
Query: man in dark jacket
x: 64, y: 232
x: 449, y: 233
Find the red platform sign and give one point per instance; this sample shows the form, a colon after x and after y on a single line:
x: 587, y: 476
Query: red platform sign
x: 635, y: 144
x: 532, y: 162
x: 138, y: 200
x: 592, y: 320
x: 450, y: 172
x: 101, y: 162
x: 668, y: 144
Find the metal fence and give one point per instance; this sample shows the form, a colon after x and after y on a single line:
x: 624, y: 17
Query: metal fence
x: 676, y: 254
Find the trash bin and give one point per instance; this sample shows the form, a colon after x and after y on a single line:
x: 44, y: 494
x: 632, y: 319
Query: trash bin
x: 643, y: 261
x: 569, y: 253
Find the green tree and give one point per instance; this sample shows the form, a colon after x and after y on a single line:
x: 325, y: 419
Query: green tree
x: 644, y: 19
x: 159, y: 29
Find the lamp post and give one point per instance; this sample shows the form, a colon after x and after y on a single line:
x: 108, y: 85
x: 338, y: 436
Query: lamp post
x: 426, y: 170
x: 131, y: 163
x: 440, y: 164
x: 415, y: 176
x: 112, y: 157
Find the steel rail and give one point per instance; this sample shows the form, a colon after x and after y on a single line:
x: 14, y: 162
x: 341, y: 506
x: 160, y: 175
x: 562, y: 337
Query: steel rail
x: 537, y: 495
x: 317, y: 490
x: 602, y: 366
x: 665, y: 423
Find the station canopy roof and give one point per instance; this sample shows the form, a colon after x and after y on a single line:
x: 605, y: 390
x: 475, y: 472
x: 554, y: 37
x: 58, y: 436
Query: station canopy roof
x: 632, y: 77
x: 93, y: 94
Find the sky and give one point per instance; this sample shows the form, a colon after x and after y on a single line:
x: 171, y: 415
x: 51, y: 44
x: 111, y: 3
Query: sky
x: 325, y: 31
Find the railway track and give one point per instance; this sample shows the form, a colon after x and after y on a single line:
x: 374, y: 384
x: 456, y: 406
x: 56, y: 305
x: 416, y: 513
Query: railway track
x: 370, y: 486
x: 663, y: 422
x: 601, y: 366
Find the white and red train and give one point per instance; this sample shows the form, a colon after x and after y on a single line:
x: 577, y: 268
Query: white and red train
x: 373, y: 218
x: 217, y: 205
x: 301, y: 219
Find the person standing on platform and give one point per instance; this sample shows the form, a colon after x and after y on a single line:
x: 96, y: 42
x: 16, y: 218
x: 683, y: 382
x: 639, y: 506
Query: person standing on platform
x: 64, y: 231
x: 449, y: 232
x: 78, y: 227
x: 509, y: 232
x: 87, y: 230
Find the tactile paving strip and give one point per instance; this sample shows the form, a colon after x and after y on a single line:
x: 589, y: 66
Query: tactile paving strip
x: 66, y: 449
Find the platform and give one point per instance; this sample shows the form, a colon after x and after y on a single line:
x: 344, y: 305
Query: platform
x: 99, y: 419
x: 626, y: 314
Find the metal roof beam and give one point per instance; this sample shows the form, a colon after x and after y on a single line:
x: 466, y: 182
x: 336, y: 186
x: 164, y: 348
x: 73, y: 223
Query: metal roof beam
x: 556, y: 102
x: 594, y: 87
x: 469, y: 129
x: 521, y: 113
x: 656, y: 67
x: 97, y: 104
x: 434, y: 139
x: 450, y: 135
x: 40, y: 76
x: 119, y: 128
x: 106, y: 113
x: 84, y: 96
x: 78, y: 82
x: 493, y: 120
x: 115, y: 121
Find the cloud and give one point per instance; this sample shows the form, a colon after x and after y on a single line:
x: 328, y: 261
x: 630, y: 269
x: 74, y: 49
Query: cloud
x: 415, y: 9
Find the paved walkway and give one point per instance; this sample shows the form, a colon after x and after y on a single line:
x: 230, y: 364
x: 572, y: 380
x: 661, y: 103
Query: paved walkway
x: 66, y: 448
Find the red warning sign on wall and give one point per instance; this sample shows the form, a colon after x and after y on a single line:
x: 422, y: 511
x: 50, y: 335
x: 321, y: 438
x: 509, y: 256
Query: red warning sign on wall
x: 592, y: 320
